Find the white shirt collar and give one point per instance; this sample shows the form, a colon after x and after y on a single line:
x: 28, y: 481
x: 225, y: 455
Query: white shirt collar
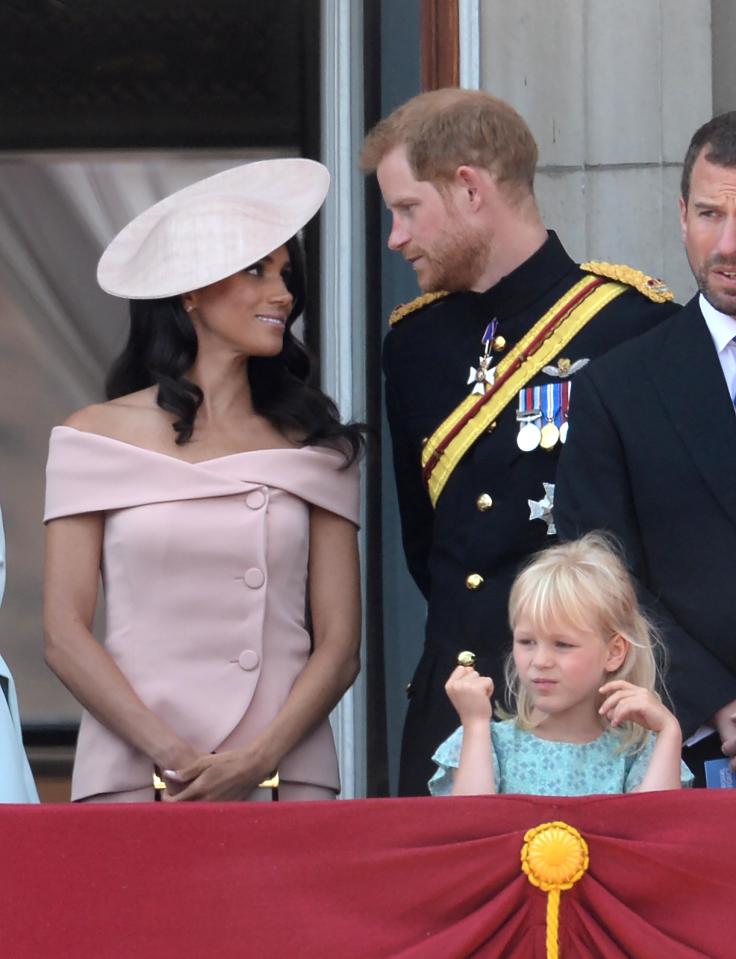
x: 721, y: 326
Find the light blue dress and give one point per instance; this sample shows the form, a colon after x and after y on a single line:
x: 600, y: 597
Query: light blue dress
x: 524, y: 763
x: 16, y: 779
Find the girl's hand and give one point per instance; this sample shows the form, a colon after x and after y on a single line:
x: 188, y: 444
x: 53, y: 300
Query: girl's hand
x: 470, y: 694
x: 626, y: 702
x: 216, y: 777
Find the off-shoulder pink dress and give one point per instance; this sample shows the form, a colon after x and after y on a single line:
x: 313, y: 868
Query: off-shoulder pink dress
x: 204, y: 569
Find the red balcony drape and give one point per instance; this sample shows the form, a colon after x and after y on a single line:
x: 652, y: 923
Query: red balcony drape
x: 398, y: 878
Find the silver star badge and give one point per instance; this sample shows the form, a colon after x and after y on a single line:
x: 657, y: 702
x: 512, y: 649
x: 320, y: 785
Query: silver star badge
x: 542, y: 509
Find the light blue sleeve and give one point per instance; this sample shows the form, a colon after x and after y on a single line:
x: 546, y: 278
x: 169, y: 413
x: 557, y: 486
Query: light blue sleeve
x: 447, y: 759
x: 2, y: 558
x: 686, y: 776
x: 637, y: 769
x: 16, y: 779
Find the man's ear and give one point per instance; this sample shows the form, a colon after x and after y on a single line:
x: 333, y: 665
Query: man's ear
x: 683, y: 218
x: 618, y: 647
x: 470, y: 181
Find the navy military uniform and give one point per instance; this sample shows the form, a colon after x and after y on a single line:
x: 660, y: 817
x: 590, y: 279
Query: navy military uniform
x: 465, y: 553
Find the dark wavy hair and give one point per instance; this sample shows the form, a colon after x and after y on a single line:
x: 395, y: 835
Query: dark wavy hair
x: 162, y: 347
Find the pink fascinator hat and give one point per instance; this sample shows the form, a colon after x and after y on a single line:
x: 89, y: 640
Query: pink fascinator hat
x: 213, y: 228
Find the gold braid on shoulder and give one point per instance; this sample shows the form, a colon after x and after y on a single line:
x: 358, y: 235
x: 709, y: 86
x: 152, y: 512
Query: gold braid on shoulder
x: 654, y: 289
x: 406, y: 308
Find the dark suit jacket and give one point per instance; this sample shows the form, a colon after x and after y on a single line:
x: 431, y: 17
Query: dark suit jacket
x: 426, y: 359
x: 651, y: 456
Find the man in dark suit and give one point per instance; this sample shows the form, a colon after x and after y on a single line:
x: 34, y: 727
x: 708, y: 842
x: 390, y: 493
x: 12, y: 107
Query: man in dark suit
x: 652, y: 456
x: 476, y: 483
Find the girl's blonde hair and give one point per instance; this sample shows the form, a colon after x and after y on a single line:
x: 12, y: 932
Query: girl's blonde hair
x: 585, y: 584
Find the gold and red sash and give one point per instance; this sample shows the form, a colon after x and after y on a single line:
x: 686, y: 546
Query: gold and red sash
x: 476, y: 414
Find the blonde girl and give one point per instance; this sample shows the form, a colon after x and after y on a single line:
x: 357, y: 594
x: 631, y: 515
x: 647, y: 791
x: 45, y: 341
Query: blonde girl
x: 582, y: 675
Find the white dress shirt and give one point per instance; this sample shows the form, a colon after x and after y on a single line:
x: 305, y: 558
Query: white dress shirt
x: 722, y: 329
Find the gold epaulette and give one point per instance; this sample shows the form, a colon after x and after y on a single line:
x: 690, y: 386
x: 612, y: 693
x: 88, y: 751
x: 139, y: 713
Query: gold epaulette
x: 404, y: 309
x: 653, y: 289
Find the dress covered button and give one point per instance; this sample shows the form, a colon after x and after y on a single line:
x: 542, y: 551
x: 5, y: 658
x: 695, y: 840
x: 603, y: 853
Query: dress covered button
x: 254, y: 577
x: 255, y: 499
x: 248, y: 659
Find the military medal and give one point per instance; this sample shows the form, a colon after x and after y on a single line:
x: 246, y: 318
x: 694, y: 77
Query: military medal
x: 549, y: 436
x: 528, y: 412
x: 484, y: 374
x: 529, y: 437
x: 564, y: 407
x: 549, y: 433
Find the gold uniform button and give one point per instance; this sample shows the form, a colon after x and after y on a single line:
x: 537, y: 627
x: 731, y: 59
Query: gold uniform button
x: 499, y: 343
x: 473, y: 580
x: 466, y: 658
x: 484, y: 502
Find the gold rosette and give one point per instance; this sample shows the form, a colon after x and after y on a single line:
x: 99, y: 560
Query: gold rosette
x: 554, y: 856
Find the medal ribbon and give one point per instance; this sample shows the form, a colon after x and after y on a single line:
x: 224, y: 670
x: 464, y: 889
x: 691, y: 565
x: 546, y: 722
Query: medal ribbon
x: 552, y: 404
x: 487, y: 338
x: 565, y: 403
x: 471, y: 418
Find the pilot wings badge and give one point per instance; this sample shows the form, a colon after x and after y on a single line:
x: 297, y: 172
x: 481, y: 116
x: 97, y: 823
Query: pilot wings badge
x: 565, y: 367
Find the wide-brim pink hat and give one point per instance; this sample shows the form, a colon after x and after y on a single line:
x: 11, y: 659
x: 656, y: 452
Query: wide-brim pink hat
x: 213, y: 228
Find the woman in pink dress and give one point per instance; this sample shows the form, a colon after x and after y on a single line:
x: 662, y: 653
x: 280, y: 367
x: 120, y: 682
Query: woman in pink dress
x: 217, y: 492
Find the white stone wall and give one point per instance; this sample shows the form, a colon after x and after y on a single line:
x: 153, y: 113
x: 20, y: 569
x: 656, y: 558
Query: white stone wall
x: 723, y: 13
x: 612, y: 90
